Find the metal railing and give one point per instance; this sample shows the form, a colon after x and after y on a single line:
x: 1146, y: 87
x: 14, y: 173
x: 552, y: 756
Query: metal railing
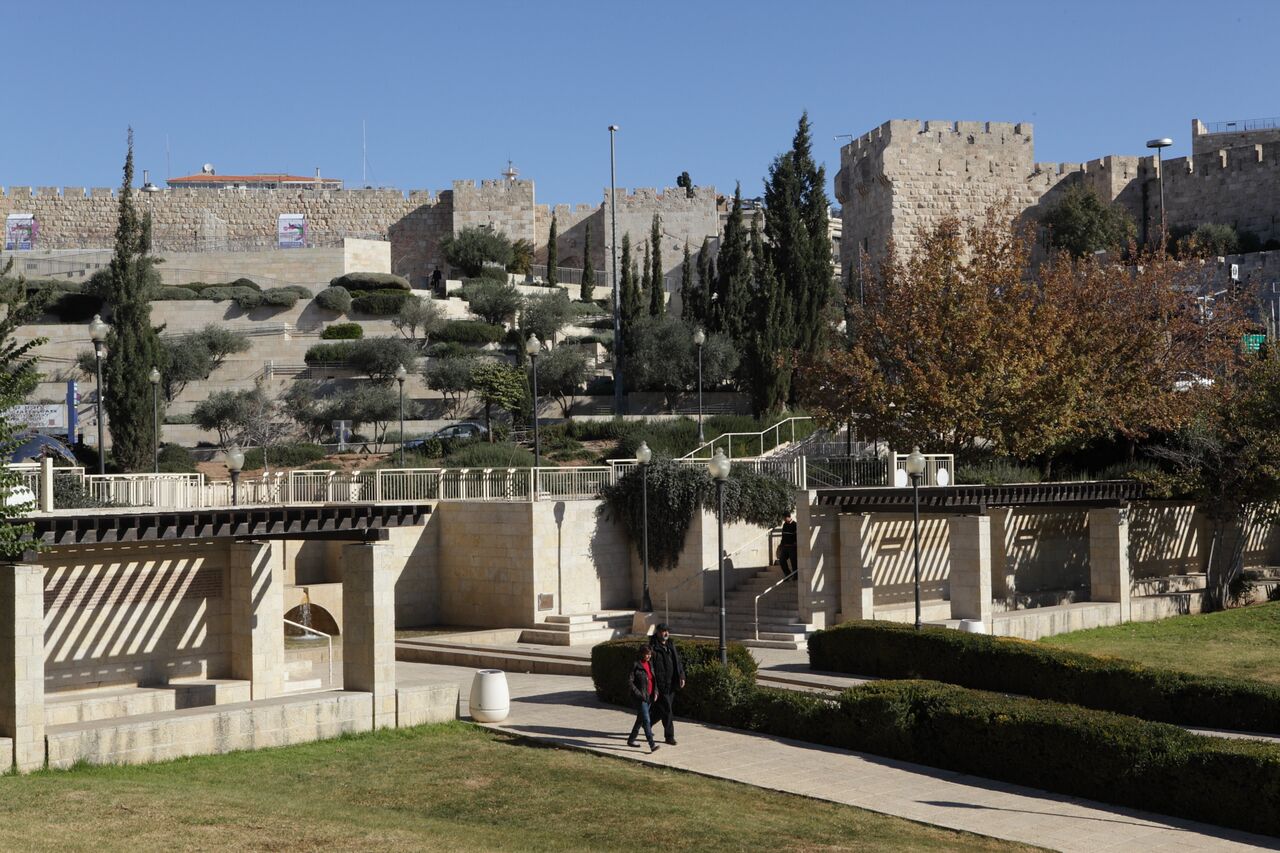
x: 570, y: 275
x: 328, y: 638
x: 785, y: 578
x: 790, y: 470
x: 666, y: 595
x: 934, y: 464
x: 846, y: 472
x: 161, y: 491
x: 1240, y: 125
x: 752, y: 444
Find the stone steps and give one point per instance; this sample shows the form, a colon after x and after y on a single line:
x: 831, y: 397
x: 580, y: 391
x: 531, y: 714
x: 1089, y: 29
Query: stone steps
x: 98, y: 704
x: 1170, y: 584
x: 1148, y: 608
x: 540, y: 661
x: 581, y: 629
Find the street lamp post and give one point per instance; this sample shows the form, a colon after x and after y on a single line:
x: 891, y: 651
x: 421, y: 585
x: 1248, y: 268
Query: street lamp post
x: 644, y: 455
x: 401, y: 375
x: 532, y: 347
x: 1159, y: 145
x: 915, y: 468
x: 719, y: 470
x: 98, y: 334
x: 154, y: 376
x: 235, y: 461
x: 700, y: 338
x: 613, y: 247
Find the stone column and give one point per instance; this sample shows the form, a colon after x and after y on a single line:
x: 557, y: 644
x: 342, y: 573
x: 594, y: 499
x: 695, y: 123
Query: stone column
x: 857, y: 564
x: 22, y: 665
x: 369, y: 627
x: 255, y: 595
x: 1003, y: 582
x: 970, y: 567
x: 1109, y: 557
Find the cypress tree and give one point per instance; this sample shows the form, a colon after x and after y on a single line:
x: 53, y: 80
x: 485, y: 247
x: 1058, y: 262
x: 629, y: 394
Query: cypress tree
x: 706, y: 280
x: 687, y: 312
x: 796, y: 236
x: 551, y: 252
x: 733, y: 276
x: 629, y: 288
x: 646, y: 278
x: 133, y: 347
x: 657, y: 296
x: 588, y: 272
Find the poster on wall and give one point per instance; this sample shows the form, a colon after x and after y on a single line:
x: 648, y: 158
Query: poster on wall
x: 20, y: 231
x: 291, y: 231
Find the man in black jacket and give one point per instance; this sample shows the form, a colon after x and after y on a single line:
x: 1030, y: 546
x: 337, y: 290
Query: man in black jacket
x: 668, y: 672
x: 787, y: 548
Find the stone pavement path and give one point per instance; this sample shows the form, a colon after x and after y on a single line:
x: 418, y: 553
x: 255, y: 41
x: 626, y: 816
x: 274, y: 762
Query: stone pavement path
x: 563, y: 710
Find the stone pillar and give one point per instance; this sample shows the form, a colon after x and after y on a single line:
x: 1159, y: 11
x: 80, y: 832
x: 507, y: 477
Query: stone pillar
x: 255, y: 595
x: 857, y: 564
x: 1003, y: 582
x: 1109, y: 557
x: 46, y: 484
x: 369, y: 627
x: 22, y: 664
x: 970, y: 567
x: 815, y: 551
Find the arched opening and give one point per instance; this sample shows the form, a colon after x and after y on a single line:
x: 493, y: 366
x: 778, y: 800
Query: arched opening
x: 313, y: 616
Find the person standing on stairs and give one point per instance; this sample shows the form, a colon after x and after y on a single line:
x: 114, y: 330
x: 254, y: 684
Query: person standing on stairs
x: 645, y: 692
x: 668, y: 671
x: 787, y: 547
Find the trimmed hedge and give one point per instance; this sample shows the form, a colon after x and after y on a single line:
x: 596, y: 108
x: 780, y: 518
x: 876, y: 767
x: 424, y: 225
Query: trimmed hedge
x: 1030, y: 669
x: 338, y: 353
x: 175, y: 459
x: 704, y: 688
x: 166, y: 293
x: 335, y: 299
x: 1049, y: 745
x: 380, y: 303
x: 285, y: 456
x: 342, y: 332
x: 473, y: 332
x: 370, y: 281
x: 482, y: 454
x: 75, y: 307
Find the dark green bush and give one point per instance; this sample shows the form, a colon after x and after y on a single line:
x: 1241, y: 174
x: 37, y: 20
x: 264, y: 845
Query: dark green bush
x: 75, y: 307
x: 1030, y: 669
x: 448, y: 349
x: 335, y: 299
x: 342, y: 332
x: 69, y: 493
x: 328, y: 353
x: 486, y: 455
x: 281, y: 297
x: 380, y: 303
x: 611, y: 664
x: 174, y: 294
x: 471, y: 332
x: 175, y: 459
x: 285, y: 456
x: 370, y: 281
x: 1049, y: 745
x: 997, y: 472
x: 246, y: 283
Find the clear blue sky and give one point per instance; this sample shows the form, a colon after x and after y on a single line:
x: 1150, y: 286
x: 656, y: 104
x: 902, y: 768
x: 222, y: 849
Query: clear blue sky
x: 452, y: 90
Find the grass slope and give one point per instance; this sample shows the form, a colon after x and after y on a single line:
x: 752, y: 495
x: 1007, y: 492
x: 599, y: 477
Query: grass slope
x: 447, y: 787
x: 1240, y: 642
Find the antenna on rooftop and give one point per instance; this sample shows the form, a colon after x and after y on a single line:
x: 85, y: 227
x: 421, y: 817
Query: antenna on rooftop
x: 511, y: 172
x: 364, y: 154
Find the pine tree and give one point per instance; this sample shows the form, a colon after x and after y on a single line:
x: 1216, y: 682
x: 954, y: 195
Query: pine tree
x: 588, y: 272
x: 687, y: 311
x: 768, y: 357
x: 657, y: 296
x: 796, y: 233
x: 551, y: 252
x: 733, y: 277
x: 133, y: 347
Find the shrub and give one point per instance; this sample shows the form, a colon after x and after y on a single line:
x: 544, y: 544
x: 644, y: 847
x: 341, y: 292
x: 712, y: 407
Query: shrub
x: 246, y: 283
x: 1030, y: 669
x: 175, y: 459
x: 328, y: 353
x: 485, y: 455
x: 475, y: 246
x: 471, y: 332
x: 281, y: 297
x: 174, y: 294
x: 997, y: 472
x: 611, y: 663
x: 380, y: 357
x: 1048, y: 745
x: 73, y: 307
x: 334, y: 298
x: 69, y: 493
x: 447, y: 349
x: 380, y: 303
x: 494, y: 302
x: 285, y: 456
x: 370, y: 281
x: 342, y: 332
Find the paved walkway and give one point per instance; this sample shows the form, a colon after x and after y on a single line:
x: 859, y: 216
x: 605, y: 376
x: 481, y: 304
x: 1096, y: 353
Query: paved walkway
x: 563, y: 710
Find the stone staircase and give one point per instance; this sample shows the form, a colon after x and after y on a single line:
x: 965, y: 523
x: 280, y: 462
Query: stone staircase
x: 780, y: 625
x: 584, y: 629
x: 96, y: 704
x: 306, y: 669
x: 1172, y: 595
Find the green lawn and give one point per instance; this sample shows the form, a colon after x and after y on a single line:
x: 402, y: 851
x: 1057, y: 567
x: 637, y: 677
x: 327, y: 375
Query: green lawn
x: 1240, y: 642
x: 448, y: 787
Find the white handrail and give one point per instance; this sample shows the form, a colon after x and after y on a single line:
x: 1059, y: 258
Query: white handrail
x: 728, y: 437
x: 785, y: 578
x: 328, y: 638
x: 666, y: 595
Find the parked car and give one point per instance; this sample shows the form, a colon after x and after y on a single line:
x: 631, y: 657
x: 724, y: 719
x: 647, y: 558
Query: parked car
x: 453, y: 432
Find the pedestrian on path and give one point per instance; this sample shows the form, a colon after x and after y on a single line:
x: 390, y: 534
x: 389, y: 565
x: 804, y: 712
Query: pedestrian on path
x: 668, y: 671
x: 644, y: 691
x: 787, y: 547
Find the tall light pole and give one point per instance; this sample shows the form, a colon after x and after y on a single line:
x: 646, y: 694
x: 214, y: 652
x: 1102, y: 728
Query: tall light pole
x: 98, y: 334
x: 401, y: 375
x: 617, y: 310
x: 532, y: 346
x: 1160, y: 144
x: 914, y: 465
x: 719, y: 470
x: 700, y: 338
x: 235, y: 461
x: 154, y: 376
x: 644, y: 455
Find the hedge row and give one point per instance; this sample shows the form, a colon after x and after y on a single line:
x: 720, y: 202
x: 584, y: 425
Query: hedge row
x: 336, y: 299
x: 342, y: 332
x: 1049, y: 745
x: 1031, y: 669
x: 370, y: 281
x: 611, y: 664
x: 380, y: 303
x: 472, y: 332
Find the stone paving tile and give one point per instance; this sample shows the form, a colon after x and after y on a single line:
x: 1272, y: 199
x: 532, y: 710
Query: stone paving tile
x: 564, y: 710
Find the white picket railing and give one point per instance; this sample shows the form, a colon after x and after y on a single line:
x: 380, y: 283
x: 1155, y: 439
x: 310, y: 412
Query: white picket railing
x: 751, y: 444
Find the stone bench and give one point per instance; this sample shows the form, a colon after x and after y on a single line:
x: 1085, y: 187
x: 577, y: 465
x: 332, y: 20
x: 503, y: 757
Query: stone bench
x: 86, y: 706
x: 418, y: 704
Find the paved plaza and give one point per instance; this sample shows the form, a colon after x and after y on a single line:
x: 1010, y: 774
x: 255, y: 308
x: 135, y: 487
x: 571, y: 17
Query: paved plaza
x: 563, y: 710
